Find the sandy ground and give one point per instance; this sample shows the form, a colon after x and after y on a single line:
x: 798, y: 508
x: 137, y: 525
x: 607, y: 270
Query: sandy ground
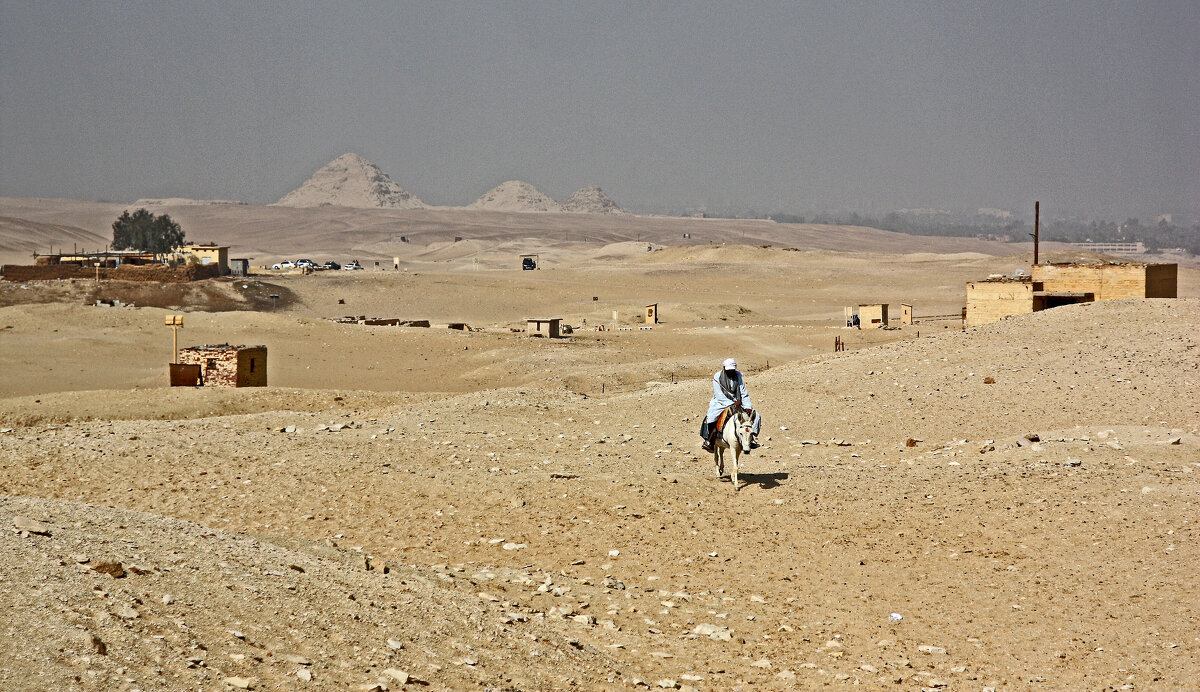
x: 541, y: 508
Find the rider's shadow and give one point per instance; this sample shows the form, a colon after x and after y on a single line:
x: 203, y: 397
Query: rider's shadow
x: 766, y: 481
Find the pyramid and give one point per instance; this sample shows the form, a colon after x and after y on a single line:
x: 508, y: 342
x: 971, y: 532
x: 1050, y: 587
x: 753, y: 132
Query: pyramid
x: 350, y: 181
x: 591, y: 200
x: 515, y: 195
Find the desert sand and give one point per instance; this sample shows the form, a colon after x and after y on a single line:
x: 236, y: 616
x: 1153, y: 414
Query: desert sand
x: 1012, y: 506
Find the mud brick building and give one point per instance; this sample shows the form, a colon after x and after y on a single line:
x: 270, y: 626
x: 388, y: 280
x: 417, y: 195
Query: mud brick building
x: 1052, y: 285
x: 224, y: 365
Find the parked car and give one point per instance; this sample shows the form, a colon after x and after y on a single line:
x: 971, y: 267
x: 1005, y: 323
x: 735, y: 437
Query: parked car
x: 286, y: 264
x: 352, y: 264
x: 306, y: 263
x: 331, y: 265
x: 527, y: 263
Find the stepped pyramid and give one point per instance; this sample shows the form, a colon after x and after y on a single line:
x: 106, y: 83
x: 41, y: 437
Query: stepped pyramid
x: 350, y: 181
x: 591, y: 200
x: 515, y: 195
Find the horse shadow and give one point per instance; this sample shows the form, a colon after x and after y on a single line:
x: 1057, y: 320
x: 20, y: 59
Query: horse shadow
x: 766, y: 481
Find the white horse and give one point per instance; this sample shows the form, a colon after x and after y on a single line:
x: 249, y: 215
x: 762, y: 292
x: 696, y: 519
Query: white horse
x: 736, y: 435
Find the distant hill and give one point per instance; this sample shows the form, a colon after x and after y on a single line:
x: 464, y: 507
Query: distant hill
x: 515, y: 195
x: 179, y: 202
x: 19, y: 236
x: 350, y: 181
x: 591, y: 200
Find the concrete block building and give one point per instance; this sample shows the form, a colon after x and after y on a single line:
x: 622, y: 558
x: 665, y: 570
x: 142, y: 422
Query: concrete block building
x: 873, y: 316
x: 224, y: 365
x: 208, y: 253
x: 550, y: 327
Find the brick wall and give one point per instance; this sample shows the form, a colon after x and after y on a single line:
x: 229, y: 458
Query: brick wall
x: 989, y: 301
x: 125, y: 272
x: 218, y: 367
x: 1111, y: 281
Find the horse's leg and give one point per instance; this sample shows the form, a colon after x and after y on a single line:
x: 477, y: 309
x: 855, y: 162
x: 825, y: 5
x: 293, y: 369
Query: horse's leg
x: 719, y: 458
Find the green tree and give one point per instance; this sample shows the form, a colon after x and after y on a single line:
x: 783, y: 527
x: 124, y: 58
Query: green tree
x: 146, y: 232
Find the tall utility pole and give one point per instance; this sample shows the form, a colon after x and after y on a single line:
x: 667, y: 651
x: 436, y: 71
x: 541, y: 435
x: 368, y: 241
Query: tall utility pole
x: 1036, y: 214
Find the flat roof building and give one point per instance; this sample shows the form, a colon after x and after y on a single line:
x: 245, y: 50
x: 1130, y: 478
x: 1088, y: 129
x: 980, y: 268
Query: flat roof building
x: 223, y: 365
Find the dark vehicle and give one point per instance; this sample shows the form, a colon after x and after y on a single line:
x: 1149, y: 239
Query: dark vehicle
x: 331, y: 265
x: 306, y: 263
x: 527, y: 263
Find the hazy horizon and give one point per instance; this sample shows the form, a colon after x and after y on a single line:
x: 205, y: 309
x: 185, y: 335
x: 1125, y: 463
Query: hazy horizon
x: 1093, y: 109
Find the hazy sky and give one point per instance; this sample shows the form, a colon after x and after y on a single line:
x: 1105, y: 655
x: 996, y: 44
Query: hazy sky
x: 1093, y: 108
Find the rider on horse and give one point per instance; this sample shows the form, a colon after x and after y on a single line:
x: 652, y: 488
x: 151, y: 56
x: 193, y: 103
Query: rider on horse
x: 729, y: 388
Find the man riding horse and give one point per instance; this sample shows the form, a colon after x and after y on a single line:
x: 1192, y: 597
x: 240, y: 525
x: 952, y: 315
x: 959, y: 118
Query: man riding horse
x: 729, y: 389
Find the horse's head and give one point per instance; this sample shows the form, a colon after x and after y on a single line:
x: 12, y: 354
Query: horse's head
x: 744, y: 428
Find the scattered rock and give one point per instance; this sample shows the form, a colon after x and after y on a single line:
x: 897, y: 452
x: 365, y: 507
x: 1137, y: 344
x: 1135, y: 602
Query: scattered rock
x: 394, y: 644
x: 126, y: 612
x: 304, y: 674
x: 240, y: 683
x: 911, y: 442
x: 298, y: 660
x: 927, y: 649
x: 397, y: 675
x: 761, y: 663
x: 91, y: 642
x: 110, y: 567
x: 31, y: 525
x: 713, y: 632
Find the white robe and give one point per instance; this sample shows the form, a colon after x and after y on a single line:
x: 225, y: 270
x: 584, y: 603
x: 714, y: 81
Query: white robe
x: 719, y: 401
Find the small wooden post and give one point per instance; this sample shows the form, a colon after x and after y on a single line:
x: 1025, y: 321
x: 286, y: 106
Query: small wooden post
x: 175, y: 322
